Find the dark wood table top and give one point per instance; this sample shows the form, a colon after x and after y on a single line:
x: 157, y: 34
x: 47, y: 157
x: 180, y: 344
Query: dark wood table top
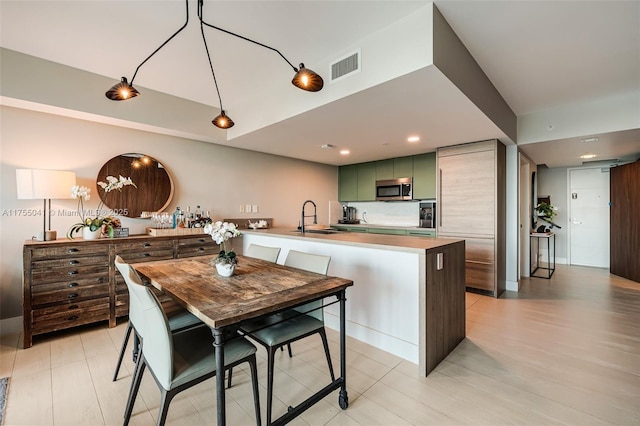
x: 257, y: 287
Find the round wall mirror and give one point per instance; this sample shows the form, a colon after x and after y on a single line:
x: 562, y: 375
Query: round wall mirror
x: 154, y: 185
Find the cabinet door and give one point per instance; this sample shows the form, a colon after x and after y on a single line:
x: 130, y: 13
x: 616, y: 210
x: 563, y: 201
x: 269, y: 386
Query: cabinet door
x: 348, y: 183
x: 424, y: 176
x: 402, y: 167
x: 466, y: 204
x: 384, y: 169
x: 367, y: 181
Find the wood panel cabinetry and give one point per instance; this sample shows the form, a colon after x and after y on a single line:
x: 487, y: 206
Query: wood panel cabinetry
x: 471, y: 205
x: 68, y: 283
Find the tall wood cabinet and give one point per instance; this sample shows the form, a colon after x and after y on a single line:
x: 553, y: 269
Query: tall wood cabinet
x: 68, y: 283
x: 471, y: 205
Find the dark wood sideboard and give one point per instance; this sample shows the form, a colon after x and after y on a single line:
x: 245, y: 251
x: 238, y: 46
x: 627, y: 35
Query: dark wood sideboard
x: 68, y: 283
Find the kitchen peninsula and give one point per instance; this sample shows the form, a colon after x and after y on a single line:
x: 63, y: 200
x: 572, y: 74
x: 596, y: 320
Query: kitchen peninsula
x: 408, y: 296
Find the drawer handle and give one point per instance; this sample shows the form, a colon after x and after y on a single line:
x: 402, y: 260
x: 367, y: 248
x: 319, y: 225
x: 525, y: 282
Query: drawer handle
x: 73, y: 272
x: 146, y: 245
x: 201, y: 249
x: 72, y: 307
x: 145, y: 255
x: 201, y: 240
x: 73, y: 262
x: 72, y: 285
x: 72, y: 318
x: 72, y: 296
x: 72, y: 250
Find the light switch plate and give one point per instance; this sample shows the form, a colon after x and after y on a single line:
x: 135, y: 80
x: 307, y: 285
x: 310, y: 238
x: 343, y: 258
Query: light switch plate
x: 254, y: 208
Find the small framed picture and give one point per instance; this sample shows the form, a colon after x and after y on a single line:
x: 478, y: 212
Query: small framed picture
x: 120, y: 232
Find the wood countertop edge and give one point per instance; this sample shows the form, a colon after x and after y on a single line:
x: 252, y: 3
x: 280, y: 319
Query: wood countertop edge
x: 356, y: 239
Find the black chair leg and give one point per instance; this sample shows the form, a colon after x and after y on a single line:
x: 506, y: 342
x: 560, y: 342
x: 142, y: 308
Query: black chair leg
x: 254, y: 383
x: 122, y: 350
x: 165, y: 400
x: 270, y: 367
x: 135, y: 386
x: 323, y: 335
x: 230, y: 373
x: 289, y: 349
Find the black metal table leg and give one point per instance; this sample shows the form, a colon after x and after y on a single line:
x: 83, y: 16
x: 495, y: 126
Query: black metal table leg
x: 343, y: 398
x: 218, y: 344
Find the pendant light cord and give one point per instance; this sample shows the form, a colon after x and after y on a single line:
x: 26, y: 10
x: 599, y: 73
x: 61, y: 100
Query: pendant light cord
x: 163, y: 44
x: 208, y: 56
x: 200, y: 3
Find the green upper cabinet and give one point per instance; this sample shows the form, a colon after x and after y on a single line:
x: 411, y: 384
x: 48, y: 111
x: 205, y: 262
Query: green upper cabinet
x: 394, y: 168
x: 424, y: 176
x: 367, y: 181
x: 357, y: 182
x: 402, y: 167
x: 384, y: 169
x: 348, y: 183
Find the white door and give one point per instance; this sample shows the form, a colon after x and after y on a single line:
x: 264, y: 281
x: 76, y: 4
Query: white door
x: 589, y: 217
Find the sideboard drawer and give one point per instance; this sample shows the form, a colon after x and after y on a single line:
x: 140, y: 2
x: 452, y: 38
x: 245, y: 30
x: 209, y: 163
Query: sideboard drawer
x: 190, y: 251
x: 63, y: 292
x: 146, y: 245
x: 70, y: 262
x: 69, y: 315
x: 147, y: 256
x: 66, y: 250
x: 196, y: 241
x: 69, y: 273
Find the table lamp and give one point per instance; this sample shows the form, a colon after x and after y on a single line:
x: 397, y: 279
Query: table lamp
x: 35, y: 184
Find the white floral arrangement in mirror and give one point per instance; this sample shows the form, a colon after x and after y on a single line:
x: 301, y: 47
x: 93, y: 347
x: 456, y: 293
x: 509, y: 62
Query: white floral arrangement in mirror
x: 261, y: 224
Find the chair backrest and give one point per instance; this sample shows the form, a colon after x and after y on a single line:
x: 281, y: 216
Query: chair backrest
x: 139, y: 299
x: 157, y: 345
x: 313, y: 263
x: 150, y: 322
x: 270, y: 254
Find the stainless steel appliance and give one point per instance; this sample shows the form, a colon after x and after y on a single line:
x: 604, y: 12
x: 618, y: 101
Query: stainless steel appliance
x: 394, y: 189
x: 428, y: 214
x: 348, y: 215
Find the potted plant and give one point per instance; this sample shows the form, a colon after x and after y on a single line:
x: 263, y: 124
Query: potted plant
x: 546, y: 212
x: 92, y: 225
x: 221, y: 232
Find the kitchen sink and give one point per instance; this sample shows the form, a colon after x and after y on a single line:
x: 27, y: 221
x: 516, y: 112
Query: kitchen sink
x: 318, y: 231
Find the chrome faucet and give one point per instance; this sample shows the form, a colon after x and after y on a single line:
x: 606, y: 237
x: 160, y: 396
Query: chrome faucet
x: 314, y: 215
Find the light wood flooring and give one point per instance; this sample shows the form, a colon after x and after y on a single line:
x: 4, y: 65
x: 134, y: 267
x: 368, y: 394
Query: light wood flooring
x: 561, y: 351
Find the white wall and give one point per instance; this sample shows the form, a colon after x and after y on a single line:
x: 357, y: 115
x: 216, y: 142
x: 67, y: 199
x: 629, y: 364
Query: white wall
x: 216, y: 177
x: 553, y: 182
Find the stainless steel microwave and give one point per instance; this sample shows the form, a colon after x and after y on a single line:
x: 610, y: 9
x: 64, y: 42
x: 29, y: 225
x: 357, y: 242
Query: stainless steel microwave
x: 394, y: 189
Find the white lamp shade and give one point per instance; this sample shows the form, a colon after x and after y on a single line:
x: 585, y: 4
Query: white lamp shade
x: 40, y: 184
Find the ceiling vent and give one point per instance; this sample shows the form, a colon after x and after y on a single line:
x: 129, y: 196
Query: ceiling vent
x: 345, y: 66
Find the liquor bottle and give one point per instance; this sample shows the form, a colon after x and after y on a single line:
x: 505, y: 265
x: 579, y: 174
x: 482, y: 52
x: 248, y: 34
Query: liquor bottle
x: 198, y: 213
x: 176, y: 217
x: 188, y: 218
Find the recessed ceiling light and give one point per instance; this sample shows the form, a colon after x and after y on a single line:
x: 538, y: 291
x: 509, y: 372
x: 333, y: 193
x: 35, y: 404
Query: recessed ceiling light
x: 327, y: 146
x: 345, y: 152
x: 588, y: 156
x: 413, y: 138
x: 587, y: 140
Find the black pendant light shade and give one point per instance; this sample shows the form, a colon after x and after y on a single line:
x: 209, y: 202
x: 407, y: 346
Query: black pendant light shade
x: 122, y: 91
x: 307, y: 79
x: 223, y: 121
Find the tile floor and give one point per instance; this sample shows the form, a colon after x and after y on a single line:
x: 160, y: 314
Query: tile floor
x: 560, y: 351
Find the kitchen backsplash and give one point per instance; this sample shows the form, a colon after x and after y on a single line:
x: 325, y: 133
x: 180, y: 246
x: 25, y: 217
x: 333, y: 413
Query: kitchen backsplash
x: 388, y: 213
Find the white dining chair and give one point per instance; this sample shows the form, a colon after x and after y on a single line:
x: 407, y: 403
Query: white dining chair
x: 178, y: 361
x: 281, y: 329
x: 178, y: 319
x: 270, y: 254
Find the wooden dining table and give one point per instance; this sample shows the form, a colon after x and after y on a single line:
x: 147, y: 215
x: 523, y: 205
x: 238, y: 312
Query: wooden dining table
x: 257, y: 288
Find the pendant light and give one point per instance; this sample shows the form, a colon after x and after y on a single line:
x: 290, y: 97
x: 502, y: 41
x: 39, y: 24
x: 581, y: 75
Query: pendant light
x: 304, y: 78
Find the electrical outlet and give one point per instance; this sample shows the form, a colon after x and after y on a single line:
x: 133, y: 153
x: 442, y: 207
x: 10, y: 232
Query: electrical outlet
x: 241, y: 208
x: 254, y: 208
